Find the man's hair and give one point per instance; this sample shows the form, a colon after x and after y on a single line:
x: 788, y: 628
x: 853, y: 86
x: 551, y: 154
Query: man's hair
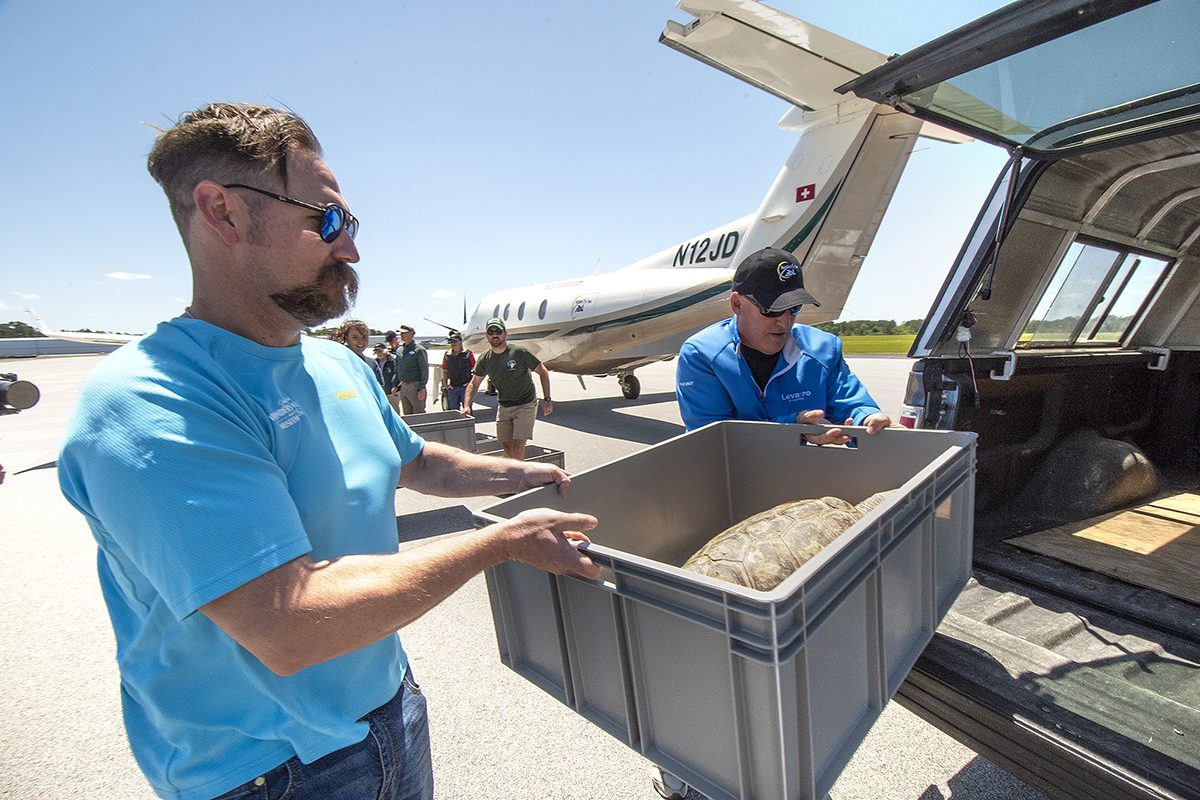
x: 226, y: 143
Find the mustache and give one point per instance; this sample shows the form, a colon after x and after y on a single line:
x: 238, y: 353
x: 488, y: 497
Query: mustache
x: 331, y: 295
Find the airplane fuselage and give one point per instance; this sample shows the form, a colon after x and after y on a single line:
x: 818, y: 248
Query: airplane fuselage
x: 605, y: 324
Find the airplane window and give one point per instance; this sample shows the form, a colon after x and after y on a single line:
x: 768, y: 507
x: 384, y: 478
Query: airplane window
x: 506, y: 307
x: 496, y: 310
x: 542, y: 310
x: 521, y: 310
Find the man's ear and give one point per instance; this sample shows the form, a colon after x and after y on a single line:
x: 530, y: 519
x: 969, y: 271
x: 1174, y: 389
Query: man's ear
x: 219, y: 211
x: 735, y: 302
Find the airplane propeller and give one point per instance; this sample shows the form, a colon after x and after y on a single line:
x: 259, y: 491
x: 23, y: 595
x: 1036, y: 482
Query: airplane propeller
x: 449, y: 330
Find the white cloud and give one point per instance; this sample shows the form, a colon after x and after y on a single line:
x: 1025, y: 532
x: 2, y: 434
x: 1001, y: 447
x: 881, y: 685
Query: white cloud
x: 128, y: 276
x: 4, y: 305
x: 25, y: 298
x: 443, y: 294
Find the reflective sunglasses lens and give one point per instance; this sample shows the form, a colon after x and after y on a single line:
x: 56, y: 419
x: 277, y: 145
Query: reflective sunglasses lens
x: 332, y: 222
x: 352, y: 225
x: 793, y: 311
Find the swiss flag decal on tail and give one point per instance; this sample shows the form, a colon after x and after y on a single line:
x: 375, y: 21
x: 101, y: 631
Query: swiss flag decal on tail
x: 806, y: 192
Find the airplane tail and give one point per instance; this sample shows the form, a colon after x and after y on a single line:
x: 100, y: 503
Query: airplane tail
x: 827, y: 202
x: 41, y: 326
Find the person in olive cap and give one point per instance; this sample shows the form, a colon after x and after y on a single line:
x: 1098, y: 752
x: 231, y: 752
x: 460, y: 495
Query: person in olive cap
x: 412, y: 372
x: 760, y: 364
x: 509, y: 368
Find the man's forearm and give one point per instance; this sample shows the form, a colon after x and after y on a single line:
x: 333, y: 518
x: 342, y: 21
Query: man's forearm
x: 309, y: 612
x: 445, y: 471
x: 304, y: 612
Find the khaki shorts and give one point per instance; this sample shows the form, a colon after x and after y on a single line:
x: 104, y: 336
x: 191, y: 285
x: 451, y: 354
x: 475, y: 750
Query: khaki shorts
x: 515, y: 423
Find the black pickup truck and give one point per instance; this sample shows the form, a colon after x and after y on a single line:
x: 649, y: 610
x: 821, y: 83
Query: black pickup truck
x: 1067, y: 335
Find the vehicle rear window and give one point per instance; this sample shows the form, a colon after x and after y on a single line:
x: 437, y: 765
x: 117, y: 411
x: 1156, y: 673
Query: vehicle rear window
x: 1098, y: 292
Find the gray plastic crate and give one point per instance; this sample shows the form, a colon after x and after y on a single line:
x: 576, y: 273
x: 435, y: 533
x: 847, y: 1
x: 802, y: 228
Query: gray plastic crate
x: 743, y: 694
x: 444, y: 426
x: 490, y: 445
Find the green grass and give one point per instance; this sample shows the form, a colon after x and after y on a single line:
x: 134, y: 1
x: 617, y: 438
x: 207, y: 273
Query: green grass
x: 897, y: 345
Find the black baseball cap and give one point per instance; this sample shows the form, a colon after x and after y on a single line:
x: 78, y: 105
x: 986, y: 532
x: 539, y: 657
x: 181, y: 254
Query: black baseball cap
x: 390, y: 336
x: 772, y: 277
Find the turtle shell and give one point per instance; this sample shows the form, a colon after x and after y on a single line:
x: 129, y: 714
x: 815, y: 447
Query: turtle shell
x: 762, y: 550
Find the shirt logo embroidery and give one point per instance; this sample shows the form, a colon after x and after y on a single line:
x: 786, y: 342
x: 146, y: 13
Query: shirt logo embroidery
x: 346, y: 395
x: 288, y: 413
x: 794, y: 396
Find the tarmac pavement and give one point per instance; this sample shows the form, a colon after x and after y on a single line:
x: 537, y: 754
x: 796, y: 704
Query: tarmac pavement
x: 494, y: 734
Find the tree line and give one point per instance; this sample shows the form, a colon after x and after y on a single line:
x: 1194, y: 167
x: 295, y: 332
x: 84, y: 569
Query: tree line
x: 873, y: 327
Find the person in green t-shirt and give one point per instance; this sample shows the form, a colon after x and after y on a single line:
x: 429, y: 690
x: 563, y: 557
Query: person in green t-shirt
x: 509, y: 368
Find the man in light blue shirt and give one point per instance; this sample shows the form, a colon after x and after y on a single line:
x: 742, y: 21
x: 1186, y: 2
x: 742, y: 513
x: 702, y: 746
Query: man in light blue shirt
x: 761, y: 365
x: 240, y: 484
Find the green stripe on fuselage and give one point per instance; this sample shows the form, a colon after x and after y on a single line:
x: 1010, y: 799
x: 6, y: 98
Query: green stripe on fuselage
x: 699, y: 297
x: 658, y: 311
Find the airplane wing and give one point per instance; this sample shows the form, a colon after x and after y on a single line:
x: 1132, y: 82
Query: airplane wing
x: 789, y: 58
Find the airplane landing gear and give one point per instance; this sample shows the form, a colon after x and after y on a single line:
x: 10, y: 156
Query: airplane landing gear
x: 631, y: 387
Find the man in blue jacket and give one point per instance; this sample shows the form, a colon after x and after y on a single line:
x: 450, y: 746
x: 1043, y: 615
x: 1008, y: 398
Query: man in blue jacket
x: 761, y: 365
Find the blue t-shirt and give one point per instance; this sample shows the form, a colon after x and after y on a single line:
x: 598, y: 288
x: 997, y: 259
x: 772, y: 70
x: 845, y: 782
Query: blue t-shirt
x: 201, y: 461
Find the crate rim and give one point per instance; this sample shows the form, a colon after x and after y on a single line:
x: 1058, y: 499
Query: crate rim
x: 785, y: 592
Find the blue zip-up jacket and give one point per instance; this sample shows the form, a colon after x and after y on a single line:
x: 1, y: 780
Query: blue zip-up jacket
x: 713, y: 382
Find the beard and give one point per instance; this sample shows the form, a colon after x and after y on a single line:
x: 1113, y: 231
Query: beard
x: 330, y: 295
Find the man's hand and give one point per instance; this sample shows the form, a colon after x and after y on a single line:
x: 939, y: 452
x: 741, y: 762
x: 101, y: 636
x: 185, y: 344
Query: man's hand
x: 421, y: 394
x: 817, y: 417
x: 537, y: 473
x: 541, y: 537
x: 877, y: 422
x: 547, y: 408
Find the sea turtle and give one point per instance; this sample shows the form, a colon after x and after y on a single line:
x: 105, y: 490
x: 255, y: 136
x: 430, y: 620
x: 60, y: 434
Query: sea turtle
x: 762, y: 550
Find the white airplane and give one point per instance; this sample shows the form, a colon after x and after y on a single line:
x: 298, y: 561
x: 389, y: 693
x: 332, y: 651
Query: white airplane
x: 79, y: 336
x: 825, y: 206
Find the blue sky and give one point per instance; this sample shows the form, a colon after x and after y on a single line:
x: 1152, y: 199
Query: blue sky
x: 483, y: 145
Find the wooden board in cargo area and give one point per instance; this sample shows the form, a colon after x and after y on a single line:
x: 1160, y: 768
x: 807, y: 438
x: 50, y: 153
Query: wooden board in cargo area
x: 1156, y: 545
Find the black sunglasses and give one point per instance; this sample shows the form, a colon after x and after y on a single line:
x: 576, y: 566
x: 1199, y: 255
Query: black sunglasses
x: 334, y: 218
x: 794, y: 310
x: 494, y: 331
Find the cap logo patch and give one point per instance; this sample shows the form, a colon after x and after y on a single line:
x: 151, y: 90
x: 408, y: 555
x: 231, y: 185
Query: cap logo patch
x: 786, y: 271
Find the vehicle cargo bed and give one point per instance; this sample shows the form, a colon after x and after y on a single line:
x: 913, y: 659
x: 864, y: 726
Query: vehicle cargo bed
x: 1042, y: 666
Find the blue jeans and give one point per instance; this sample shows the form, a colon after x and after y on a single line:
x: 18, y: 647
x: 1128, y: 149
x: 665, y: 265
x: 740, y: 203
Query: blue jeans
x: 392, y: 763
x: 455, y: 396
